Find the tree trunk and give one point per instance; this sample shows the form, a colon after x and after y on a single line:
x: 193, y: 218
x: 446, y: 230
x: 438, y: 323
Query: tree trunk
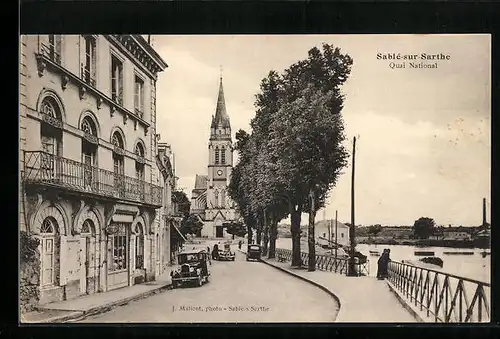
x: 259, y: 231
x: 273, y: 234
x: 295, y: 230
x: 250, y: 234
x: 265, y: 235
x: 310, y: 234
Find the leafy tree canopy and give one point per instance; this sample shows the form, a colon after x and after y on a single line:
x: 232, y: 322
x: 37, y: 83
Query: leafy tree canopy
x: 424, y: 227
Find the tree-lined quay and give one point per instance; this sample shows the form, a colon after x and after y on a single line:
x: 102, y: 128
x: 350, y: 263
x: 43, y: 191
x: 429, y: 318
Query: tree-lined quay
x: 294, y: 154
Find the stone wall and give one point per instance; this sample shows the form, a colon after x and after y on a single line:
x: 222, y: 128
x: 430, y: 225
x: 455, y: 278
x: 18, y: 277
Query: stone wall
x: 29, y: 270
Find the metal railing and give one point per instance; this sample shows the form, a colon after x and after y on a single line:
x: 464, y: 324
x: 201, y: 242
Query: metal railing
x: 323, y: 262
x: 50, y: 52
x: 47, y: 169
x: 442, y: 296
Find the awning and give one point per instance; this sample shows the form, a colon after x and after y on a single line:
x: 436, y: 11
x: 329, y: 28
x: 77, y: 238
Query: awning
x: 179, y: 233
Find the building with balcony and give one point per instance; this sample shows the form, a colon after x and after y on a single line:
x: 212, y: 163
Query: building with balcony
x: 90, y: 190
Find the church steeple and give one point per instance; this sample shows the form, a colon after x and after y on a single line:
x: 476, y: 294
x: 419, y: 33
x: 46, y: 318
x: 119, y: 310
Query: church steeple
x: 221, y: 119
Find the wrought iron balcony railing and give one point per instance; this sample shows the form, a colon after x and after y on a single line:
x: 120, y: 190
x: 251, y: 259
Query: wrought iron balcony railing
x: 46, y: 169
x: 444, y: 297
x: 50, y: 52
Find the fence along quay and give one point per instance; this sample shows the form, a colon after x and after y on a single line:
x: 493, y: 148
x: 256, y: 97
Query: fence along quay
x: 442, y: 296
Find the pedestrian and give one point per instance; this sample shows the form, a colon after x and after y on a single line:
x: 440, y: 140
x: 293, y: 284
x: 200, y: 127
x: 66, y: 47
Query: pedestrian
x: 383, y: 263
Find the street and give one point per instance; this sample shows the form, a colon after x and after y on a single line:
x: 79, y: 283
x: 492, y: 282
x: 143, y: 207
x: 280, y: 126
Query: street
x: 238, y: 291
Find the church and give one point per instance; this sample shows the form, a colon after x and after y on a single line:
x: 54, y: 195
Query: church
x: 210, y: 199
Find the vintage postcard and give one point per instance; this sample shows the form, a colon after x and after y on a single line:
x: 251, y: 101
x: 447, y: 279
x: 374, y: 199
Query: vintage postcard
x: 255, y: 178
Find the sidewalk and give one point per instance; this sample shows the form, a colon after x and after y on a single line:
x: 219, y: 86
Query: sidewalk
x: 79, y: 308
x: 362, y: 299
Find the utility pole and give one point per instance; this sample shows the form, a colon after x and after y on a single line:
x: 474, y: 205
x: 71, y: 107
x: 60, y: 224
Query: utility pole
x: 484, y: 213
x: 352, y: 269
x: 336, y: 244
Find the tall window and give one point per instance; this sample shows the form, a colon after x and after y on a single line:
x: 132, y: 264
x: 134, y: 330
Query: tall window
x: 48, y: 233
x: 116, y: 80
x: 51, y: 47
x: 217, y: 154
x: 223, y: 155
x: 51, y: 138
x: 89, y: 61
x: 89, y: 150
x: 139, y: 96
x: 139, y: 247
x: 119, y: 250
x: 118, y: 164
x: 222, y: 199
x: 139, y: 169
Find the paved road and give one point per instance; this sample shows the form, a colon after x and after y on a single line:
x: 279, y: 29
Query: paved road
x: 238, y: 291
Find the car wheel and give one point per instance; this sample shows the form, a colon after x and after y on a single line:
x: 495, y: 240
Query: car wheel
x: 248, y: 259
x: 174, y: 285
x: 206, y: 279
x: 200, y: 281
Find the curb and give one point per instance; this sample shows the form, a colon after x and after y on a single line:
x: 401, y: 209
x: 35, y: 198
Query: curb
x: 330, y: 293
x: 80, y: 315
x: 404, y: 302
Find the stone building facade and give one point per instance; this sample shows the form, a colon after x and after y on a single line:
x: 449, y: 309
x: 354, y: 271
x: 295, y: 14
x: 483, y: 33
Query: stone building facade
x: 210, y: 199
x: 90, y: 186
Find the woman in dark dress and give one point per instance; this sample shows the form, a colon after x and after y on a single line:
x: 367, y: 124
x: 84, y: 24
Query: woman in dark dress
x: 383, y: 262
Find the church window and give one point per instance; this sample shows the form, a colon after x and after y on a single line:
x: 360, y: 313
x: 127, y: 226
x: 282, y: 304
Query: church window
x: 222, y: 198
x: 223, y: 156
x: 216, y: 155
x: 216, y: 198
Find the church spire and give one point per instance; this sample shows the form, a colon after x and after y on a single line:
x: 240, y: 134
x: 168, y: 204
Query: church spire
x: 221, y: 117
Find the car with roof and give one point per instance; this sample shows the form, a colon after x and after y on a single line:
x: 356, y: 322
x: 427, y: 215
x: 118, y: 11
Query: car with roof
x: 226, y: 254
x: 192, y: 269
x: 253, y: 252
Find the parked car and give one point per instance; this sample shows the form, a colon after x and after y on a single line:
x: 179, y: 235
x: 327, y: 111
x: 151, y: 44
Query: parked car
x: 193, y: 269
x: 226, y: 254
x: 253, y: 252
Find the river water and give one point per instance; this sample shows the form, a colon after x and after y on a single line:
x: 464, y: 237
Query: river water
x: 470, y: 266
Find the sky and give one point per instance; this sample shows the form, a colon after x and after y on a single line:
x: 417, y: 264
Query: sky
x: 424, y: 136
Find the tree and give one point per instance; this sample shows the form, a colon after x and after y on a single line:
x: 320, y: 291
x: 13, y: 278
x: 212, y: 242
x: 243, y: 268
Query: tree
x: 236, y: 228
x: 183, y: 204
x: 423, y: 228
x: 191, y: 225
x: 374, y: 230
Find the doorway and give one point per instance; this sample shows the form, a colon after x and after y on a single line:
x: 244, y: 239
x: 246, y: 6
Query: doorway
x: 219, y: 231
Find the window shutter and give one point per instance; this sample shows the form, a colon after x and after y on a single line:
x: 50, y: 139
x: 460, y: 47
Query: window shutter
x: 93, y: 65
x: 81, y: 43
x: 136, y: 95
x: 132, y: 252
x: 120, y: 84
x: 63, y: 266
x: 83, y: 258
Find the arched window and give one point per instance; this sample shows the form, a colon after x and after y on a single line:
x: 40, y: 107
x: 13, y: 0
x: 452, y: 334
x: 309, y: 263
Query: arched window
x: 216, y: 198
x: 139, y: 247
x: 222, y: 199
x: 223, y: 155
x: 118, y: 164
x: 87, y: 227
x: 48, y: 234
x: 51, y: 138
x: 217, y: 154
x: 89, y: 150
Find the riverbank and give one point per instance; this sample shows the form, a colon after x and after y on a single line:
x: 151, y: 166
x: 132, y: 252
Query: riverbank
x: 425, y: 242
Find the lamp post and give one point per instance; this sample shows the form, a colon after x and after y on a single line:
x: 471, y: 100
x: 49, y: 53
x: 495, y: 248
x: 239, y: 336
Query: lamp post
x: 352, y: 267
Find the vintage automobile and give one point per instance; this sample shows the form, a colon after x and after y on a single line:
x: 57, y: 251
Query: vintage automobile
x: 193, y: 268
x: 226, y: 254
x: 253, y: 252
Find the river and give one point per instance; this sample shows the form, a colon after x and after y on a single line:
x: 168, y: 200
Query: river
x: 470, y: 266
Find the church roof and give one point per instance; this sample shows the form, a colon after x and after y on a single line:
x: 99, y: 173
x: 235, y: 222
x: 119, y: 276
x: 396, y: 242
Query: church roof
x: 201, y: 182
x: 221, y: 117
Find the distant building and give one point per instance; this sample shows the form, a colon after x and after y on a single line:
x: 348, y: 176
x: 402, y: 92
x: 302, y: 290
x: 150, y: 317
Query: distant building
x: 322, y: 233
x: 456, y: 234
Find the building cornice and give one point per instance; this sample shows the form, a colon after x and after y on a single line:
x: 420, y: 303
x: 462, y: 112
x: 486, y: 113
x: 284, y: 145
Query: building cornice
x: 144, y: 57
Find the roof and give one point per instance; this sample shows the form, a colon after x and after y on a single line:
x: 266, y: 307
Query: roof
x: 201, y: 182
x: 221, y: 118
x: 193, y: 251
